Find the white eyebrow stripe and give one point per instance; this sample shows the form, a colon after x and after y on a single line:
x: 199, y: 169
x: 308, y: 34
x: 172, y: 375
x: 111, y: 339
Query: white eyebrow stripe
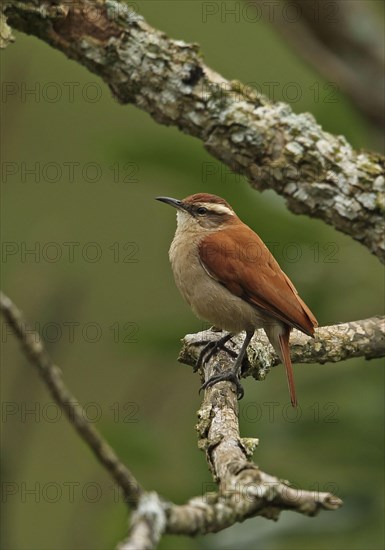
x: 218, y: 208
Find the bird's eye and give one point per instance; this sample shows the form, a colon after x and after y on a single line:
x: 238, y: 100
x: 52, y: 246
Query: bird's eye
x: 201, y: 210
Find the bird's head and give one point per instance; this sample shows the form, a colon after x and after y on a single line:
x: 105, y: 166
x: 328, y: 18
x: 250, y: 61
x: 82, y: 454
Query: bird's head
x: 202, y: 211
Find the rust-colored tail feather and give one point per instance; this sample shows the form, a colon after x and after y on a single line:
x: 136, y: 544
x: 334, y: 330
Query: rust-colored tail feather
x: 285, y: 351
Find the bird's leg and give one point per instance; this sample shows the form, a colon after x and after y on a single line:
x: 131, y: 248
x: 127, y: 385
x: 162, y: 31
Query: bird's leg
x: 211, y: 348
x: 232, y: 374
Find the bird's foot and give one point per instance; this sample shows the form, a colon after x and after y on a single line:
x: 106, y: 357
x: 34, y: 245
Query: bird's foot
x: 211, y: 348
x: 208, y: 348
x: 229, y: 376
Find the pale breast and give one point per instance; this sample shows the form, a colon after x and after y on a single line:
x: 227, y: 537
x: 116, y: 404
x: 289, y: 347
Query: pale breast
x: 209, y: 300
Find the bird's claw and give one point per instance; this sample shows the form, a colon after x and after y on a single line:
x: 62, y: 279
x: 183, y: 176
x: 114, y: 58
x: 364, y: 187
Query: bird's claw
x: 210, y: 349
x: 228, y: 376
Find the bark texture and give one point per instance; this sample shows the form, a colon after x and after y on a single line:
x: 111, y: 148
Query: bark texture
x: 365, y: 338
x: 244, y: 490
x: 318, y: 174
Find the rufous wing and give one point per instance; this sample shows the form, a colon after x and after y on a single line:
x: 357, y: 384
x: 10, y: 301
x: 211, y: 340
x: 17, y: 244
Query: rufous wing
x: 238, y: 259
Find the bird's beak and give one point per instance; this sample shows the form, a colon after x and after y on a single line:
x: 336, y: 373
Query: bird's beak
x: 173, y: 202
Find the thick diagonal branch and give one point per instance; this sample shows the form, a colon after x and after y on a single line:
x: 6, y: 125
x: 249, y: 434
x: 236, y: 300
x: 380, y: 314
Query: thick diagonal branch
x: 319, y: 174
x: 365, y: 338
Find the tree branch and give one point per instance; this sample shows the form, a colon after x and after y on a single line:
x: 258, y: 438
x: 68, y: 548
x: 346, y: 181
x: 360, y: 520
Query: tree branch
x: 328, y: 38
x: 6, y: 36
x: 244, y: 490
x: 253, y: 494
x: 334, y: 343
x: 318, y: 174
x: 147, y: 524
x: 51, y: 375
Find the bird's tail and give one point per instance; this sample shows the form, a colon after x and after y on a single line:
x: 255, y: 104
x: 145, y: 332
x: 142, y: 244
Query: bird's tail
x: 279, y: 337
x: 285, y: 352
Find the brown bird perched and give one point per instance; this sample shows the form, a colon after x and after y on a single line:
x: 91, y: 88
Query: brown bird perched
x: 229, y: 278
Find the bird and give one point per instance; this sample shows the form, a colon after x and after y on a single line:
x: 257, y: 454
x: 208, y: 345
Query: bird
x: 229, y: 278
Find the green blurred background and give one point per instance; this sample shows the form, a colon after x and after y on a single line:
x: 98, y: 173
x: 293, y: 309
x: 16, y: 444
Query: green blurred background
x: 113, y: 319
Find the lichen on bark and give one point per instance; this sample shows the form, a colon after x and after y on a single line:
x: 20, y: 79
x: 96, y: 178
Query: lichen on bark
x: 318, y: 174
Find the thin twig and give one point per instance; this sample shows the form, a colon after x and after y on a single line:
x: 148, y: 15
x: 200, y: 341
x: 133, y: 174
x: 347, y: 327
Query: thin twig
x: 51, y: 375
